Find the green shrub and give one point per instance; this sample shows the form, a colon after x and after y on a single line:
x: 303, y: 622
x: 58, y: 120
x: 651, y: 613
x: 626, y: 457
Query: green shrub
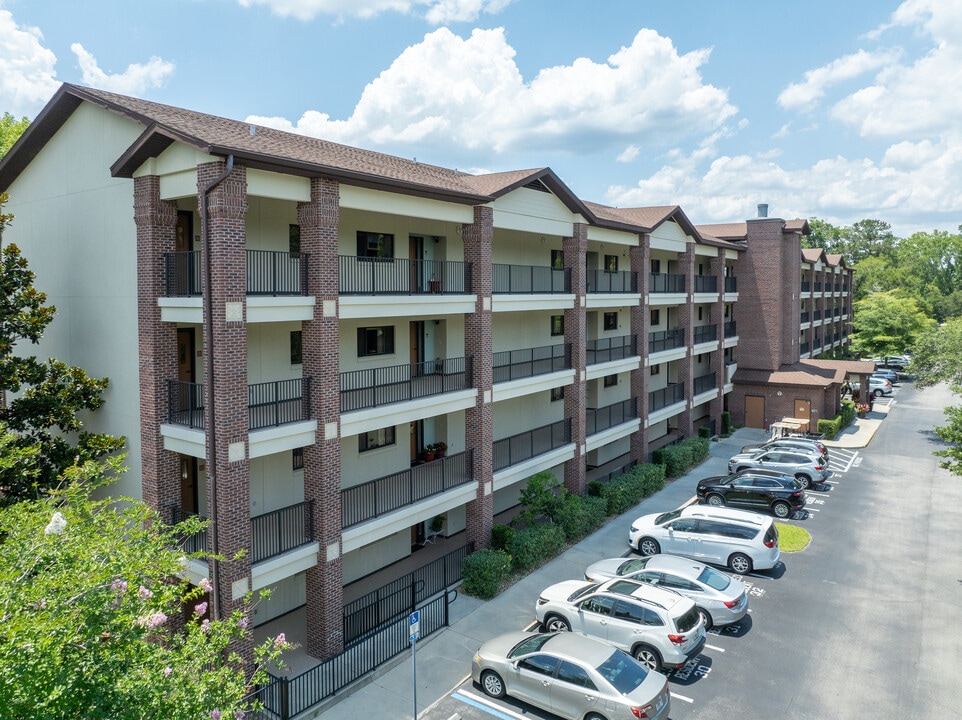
x: 534, y: 545
x: 704, y: 432
x: 502, y: 536
x: 580, y: 515
x: 726, y: 424
x: 830, y: 428
x: 652, y: 478
x: 848, y: 412
x: 699, y: 448
x: 596, y: 488
x: 484, y: 571
x: 675, y: 458
x: 626, y: 491
x: 541, y: 497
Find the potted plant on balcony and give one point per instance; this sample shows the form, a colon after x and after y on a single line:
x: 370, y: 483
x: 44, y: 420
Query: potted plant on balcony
x: 429, y: 453
x: 440, y: 448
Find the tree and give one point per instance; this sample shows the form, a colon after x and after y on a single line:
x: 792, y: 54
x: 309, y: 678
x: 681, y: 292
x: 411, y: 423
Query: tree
x: 10, y: 130
x: 937, y: 355
x: 90, y: 596
x: 889, y: 323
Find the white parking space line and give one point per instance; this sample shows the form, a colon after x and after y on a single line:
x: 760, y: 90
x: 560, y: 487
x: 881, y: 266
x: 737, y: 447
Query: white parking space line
x: 712, y: 647
x: 676, y: 696
x: 483, y: 703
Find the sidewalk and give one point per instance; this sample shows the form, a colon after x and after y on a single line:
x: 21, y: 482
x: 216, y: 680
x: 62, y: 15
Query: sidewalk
x: 444, y: 659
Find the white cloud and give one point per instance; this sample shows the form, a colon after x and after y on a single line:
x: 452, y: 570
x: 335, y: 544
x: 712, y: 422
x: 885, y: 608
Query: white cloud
x: 467, y: 93
x: 28, y: 78
x: 437, y: 12
x: 803, y: 95
x: 133, y: 81
x: 629, y: 154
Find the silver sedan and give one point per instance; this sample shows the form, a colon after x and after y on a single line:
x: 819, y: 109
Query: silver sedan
x: 571, y: 676
x: 719, y: 598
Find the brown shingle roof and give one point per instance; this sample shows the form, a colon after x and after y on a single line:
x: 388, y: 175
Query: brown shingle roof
x: 807, y: 373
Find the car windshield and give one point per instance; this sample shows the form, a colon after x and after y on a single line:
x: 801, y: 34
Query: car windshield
x: 632, y: 566
x: 581, y: 592
x: 714, y: 579
x: 687, y: 621
x: 624, y: 673
x: 530, y: 645
x: 665, y: 517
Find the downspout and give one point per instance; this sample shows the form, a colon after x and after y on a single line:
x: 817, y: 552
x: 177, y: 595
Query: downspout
x: 209, y: 362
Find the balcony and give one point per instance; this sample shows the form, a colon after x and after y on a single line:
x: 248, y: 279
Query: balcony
x: 816, y: 315
x: 806, y: 286
x: 272, y: 534
x: 705, y: 334
x: 401, y: 383
x: 704, y: 383
x: 731, y: 284
x: 373, y: 499
x: 804, y: 317
x: 706, y: 284
x: 818, y: 286
x: 529, y: 280
x: 402, y: 276
x: 660, y: 399
x: 666, y: 340
x: 730, y: 329
x: 611, y: 348
x: 269, y: 404
x: 603, y: 281
x: 269, y: 273
x: 599, y: 419
x: 666, y: 283
x: 530, y: 362
x: 524, y: 446
x: 803, y: 348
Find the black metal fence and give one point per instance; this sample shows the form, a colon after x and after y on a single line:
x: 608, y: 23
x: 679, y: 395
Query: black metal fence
x: 603, y: 281
x: 399, y: 383
x: 185, y: 404
x: 529, y: 279
x: 704, y: 333
x: 523, y: 446
x: 279, y: 531
x: 611, y: 348
x: 391, y: 492
x: 402, y: 276
x: 704, y: 383
x: 188, y: 543
x: 182, y: 274
x: 269, y: 272
x: 599, y: 419
x: 662, y: 340
x: 279, y: 402
x: 730, y: 329
x: 706, y: 284
x: 731, y: 284
x: 528, y: 362
x: 658, y: 399
x: 666, y: 283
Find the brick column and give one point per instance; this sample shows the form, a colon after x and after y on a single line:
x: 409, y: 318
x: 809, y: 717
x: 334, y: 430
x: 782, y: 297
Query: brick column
x: 575, y: 250
x: 156, y: 222
x: 478, y: 345
x: 226, y: 395
x: 640, y: 258
x: 319, y: 221
x: 717, y: 265
x: 686, y: 319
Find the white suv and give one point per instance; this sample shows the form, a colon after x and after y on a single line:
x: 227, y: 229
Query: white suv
x: 660, y: 627
x: 743, y: 541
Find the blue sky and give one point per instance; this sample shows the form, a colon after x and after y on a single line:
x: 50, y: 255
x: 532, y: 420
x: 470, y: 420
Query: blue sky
x: 841, y: 109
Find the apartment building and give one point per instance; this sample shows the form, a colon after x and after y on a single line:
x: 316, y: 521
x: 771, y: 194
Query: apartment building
x: 323, y: 349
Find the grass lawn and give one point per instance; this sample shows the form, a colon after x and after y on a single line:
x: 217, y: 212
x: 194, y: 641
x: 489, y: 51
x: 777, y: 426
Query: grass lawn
x: 792, y: 538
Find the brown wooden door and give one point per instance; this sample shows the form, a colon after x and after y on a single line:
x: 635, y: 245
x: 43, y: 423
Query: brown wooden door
x: 184, y: 240
x: 188, y: 484
x: 185, y: 354
x: 754, y: 411
x: 803, y: 411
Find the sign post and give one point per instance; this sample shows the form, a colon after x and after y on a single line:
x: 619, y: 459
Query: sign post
x: 414, y: 623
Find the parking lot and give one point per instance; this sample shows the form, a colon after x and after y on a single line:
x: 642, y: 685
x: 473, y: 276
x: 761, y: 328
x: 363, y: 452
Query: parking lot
x: 860, y: 622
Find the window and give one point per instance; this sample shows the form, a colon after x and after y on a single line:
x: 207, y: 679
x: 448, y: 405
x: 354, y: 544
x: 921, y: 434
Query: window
x: 540, y: 664
x: 611, y: 321
x: 558, y: 259
x: 655, y: 370
x: 376, y: 439
x: 654, y: 317
x: 598, y: 604
x: 297, y: 459
x: 296, y: 357
x: 629, y: 612
x: 656, y: 266
x: 557, y: 324
x: 557, y: 393
x: 700, y: 312
x: 294, y: 238
x: 611, y: 263
x: 375, y: 245
x: 574, y: 674
x: 375, y: 341
x: 611, y: 380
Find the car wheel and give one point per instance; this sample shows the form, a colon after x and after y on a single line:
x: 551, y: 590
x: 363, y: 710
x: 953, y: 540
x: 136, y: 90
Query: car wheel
x: 805, y: 480
x: 647, y: 656
x: 594, y: 716
x: 648, y: 546
x: 877, y: 392
x: 782, y: 509
x: 492, y: 684
x: 706, y: 617
x: 716, y: 500
x: 556, y: 623
x: 740, y: 563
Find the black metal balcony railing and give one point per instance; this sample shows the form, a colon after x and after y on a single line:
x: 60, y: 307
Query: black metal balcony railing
x: 704, y: 383
x: 611, y: 348
x: 529, y: 362
x: 402, y: 276
x: 603, y: 281
x: 279, y: 402
x: 524, y: 446
x: 658, y: 399
x: 400, y: 383
x: 803, y: 348
x: 666, y: 283
x: 600, y: 419
x: 269, y: 272
x: 731, y: 284
x: 270, y: 404
x: 818, y: 286
x: 806, y: 286
x: 280, y: 531
x: 195, y: 543
x: 816, y: 315
x: 730, y: 329
x: 392, y: 492
x: 529, y: 279
x: 666, y: 340
x: 804, y: 317
x: 705, y: 334
x: 706, y: 284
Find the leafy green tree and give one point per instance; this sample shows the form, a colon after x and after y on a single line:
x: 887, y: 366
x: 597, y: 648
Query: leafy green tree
x: 937, y: 355
x: 10, y: 130
x: 875, y: 274
x: 823, y: 235
x: 951, y: 434
x: 888, y: 323
x: 43, y: 397
x: 542, y: 497
x: 94, y: 622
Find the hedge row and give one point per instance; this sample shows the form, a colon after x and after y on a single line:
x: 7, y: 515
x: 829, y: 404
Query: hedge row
x: 833, y: 426
x: 678, y: 459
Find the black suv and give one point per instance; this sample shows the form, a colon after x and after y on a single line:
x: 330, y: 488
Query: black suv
x: 782, y: 494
